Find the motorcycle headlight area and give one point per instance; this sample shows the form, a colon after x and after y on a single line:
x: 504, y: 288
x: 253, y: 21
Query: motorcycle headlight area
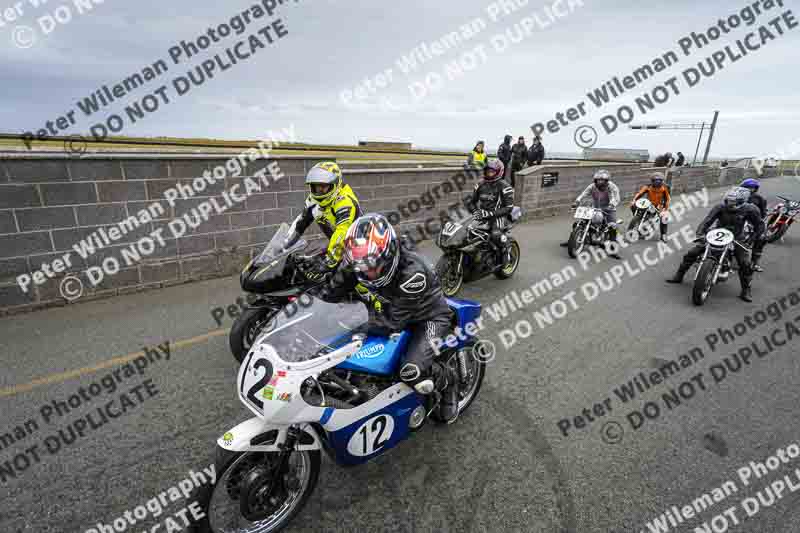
x: 598, y: 217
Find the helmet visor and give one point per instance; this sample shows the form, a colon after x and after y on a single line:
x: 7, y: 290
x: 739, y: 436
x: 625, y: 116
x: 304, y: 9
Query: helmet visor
x: 320, y: 189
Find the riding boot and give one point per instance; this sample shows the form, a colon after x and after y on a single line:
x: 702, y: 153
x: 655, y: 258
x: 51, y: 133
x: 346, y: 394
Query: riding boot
x: 663, y: 228
x: 447, y: 384
x: 747, y: 293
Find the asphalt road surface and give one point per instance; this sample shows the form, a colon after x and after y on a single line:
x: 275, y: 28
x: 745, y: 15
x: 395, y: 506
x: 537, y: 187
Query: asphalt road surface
x: 505, y: 466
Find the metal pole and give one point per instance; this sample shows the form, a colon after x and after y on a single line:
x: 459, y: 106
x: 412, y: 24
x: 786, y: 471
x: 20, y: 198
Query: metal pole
x: 697, y: 150
x: 711, y: 136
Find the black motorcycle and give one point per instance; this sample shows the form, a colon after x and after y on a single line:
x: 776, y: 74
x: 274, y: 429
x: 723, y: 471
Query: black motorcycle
x: 469, y: 254
x: 717, y: 263
x: 276, y: 282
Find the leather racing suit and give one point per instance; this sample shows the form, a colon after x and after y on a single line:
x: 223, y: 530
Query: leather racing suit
x: 497, y: 199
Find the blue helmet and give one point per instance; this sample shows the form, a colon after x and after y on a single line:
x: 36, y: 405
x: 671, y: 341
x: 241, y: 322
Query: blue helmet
x: 751, y: 183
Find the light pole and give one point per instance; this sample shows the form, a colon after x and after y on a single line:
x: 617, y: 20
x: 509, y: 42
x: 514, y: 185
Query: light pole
x: 701, y: 127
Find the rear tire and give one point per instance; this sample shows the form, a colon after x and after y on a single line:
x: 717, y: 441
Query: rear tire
x: 703, y: 282
x: 449, y: 277
x: 574, y: 247
x: 464, y: 403
x: 508, y: 270
x: 246, y: 329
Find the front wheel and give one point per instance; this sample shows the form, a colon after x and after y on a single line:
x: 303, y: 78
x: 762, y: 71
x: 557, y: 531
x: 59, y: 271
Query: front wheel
x: 774, y: 233
x: 247, y: 327
x: 575, y: 243
x: 704, y: 281
x: 246, y: 484
x: 450, y: 275
x: 509, y: 268
x: 634, y: 225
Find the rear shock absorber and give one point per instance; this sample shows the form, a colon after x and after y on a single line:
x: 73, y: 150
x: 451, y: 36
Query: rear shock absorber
x: 462, y: 364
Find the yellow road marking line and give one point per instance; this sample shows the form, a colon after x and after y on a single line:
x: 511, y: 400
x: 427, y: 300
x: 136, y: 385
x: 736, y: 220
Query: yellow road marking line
x: 114, y: 361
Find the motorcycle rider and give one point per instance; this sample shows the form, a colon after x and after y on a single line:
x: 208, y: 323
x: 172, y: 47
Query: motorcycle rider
x: 410, y: 297
x: 731, y: 214
x: 334, y: 206
x: 605, y: 196
x: 761, y: 203
x: 493, y: 201
x: 658, y: 194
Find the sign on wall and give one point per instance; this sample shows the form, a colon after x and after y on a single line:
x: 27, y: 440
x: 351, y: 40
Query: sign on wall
x: 549, y: 179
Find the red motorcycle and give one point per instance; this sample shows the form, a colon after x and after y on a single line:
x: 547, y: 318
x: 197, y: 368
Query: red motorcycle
x: 780, y: 218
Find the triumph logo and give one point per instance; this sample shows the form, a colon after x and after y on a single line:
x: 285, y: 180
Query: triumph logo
x: 416, y: 284
x: 370, y: 352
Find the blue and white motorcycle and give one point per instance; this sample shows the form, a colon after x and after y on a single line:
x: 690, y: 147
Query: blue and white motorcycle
x: 339, y: 395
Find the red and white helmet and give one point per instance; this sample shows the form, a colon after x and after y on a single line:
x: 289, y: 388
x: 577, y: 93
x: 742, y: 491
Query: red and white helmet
x: 494, y: 170
x: 372, y: 249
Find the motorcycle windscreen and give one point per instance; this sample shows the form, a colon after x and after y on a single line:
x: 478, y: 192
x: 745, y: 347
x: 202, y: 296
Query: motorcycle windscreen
x: 274, y: 252
x: 309, y: 327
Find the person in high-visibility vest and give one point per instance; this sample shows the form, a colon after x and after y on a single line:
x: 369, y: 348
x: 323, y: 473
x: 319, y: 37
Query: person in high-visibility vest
x: 477, y: 158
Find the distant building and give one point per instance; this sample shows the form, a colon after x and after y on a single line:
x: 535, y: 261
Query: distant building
x: 385, y: 145
x: 616, y: 154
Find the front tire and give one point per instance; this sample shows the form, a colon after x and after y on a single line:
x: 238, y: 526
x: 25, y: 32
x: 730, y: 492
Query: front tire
x: 575, y: 243
x: 634, y: 225
x: 704, y: 282
x: 247, y: 327
x: 450, y: 277
x: 508, y: 270
x: 774, y: 235
x: 231, y: 471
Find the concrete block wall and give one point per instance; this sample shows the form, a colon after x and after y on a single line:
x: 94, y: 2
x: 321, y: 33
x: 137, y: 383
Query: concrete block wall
x: 551, y: 201
x: 49, y: 203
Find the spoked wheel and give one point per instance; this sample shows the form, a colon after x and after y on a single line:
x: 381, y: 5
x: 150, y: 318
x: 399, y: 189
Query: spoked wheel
x: 775, y: 232
x: 471, y: 374
x: 449, y: 276
x: 704, y: 282
x: 509, y: 268
x: 251, y: 497
x: 246, y: 329
x: 575, y: 243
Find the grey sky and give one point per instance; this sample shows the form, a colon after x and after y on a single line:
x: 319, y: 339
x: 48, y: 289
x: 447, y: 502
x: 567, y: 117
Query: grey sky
x: 333, y: 45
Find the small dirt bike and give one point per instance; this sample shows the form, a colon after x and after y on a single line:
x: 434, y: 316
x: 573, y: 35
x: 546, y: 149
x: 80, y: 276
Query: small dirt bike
x: 275, y: 281
x: 589, y: 228
x: 716, y: 264
x: 780, y: 218
x: 339, y: 395
x: 469, y: 254
x: 645, y: 217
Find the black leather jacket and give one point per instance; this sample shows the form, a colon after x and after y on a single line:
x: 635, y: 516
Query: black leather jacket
x: 413, y: 295
x: 733, y: 220
x: 761, y: 203
x: 496, y: 197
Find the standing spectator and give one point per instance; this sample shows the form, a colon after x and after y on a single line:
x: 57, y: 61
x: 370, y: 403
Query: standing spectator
x: 519, y: 154
x: 477, y: 158
x: 536, y: 153
x: 504, y: 152
x: 681, y: 160
x: 662, y: 160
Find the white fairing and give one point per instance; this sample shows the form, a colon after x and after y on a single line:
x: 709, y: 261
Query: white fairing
x: 719, y: 237
x: 276, y: 396
x: 584, y: 213
x: 643, y: 203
